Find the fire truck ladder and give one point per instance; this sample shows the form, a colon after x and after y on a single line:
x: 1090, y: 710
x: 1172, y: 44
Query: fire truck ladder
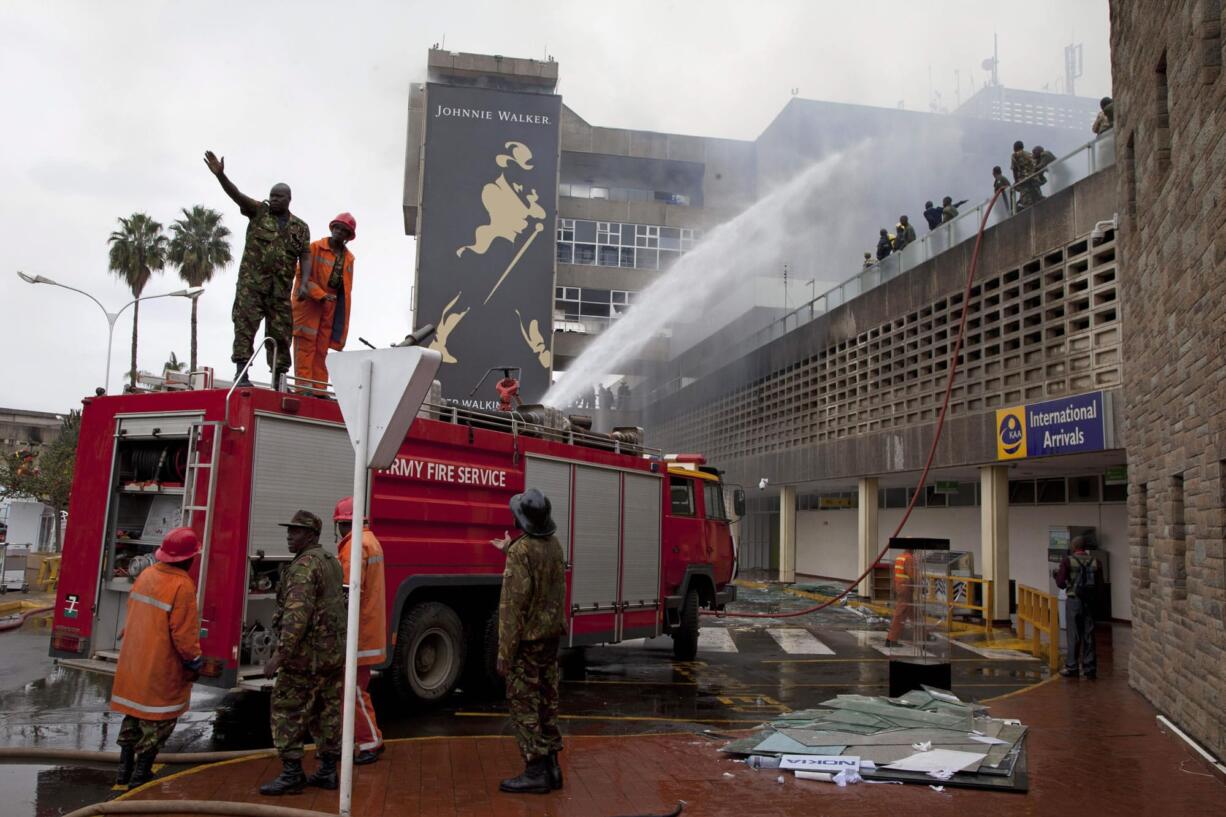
x: 196, y: 470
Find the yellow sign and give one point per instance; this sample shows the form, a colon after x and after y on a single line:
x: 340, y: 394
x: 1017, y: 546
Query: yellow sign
x: 1011, y: 433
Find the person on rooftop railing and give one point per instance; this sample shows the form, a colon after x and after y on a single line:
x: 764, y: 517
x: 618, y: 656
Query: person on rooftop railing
x: 905, y: 235
x: 884, y: 245
x: 1106, y: 116
x: 1022, y: 165
x: 932, y: 215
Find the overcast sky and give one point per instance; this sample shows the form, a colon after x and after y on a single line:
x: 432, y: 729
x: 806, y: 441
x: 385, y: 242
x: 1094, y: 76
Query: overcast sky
x: 110, y: 107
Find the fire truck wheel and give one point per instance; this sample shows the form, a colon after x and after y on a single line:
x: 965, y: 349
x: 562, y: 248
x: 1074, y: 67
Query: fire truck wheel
x: 685, y: 637
x: 429, y: 652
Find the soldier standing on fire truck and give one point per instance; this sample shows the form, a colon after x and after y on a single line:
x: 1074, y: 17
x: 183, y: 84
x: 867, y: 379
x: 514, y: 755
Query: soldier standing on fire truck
x: 160, y: 656
x: 372, y: 627
x: 277, y: 242
x: 531, y: 621
x: 309, y: 661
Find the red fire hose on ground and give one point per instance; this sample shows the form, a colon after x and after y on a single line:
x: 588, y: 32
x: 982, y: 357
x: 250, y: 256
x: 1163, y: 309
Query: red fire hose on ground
x: 20, y: 619
x: 932, y: 450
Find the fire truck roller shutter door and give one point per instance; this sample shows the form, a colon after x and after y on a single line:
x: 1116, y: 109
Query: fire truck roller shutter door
x: 552, y: 478
x: 298, y: 464
x: 597, y: 518
x: 641, y: 540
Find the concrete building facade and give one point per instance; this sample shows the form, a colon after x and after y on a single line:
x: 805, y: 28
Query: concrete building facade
x: 632, y: 202
x: 1170, y: 109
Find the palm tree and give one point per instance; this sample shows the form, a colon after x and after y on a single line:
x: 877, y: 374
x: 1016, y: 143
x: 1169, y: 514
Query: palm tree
x: 138, y: 249
x: 199, y: 248
x: 174, y: 364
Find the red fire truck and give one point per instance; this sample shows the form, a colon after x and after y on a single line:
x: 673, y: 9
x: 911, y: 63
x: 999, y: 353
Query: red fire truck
x: 646, y: 538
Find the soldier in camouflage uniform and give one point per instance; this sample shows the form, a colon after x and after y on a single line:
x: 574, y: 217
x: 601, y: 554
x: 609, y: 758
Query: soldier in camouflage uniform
x: 277, y: 242
x: 530, y: 624
x: 1023, y: 167
x: 309, y: 661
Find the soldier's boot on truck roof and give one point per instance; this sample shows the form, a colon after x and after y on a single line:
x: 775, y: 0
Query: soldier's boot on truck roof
x: 555, y: 772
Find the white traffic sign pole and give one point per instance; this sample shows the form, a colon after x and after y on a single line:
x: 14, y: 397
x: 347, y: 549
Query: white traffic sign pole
x: 360, y: 461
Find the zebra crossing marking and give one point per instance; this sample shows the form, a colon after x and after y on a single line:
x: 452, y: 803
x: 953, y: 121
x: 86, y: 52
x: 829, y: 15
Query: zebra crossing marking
x: 798, y: 641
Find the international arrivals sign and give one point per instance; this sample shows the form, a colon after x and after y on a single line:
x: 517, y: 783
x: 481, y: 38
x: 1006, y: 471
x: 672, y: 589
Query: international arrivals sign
x: 1070, y: 425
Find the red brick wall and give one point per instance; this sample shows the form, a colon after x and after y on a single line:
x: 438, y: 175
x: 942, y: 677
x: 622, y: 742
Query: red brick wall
x: 1172, y: 194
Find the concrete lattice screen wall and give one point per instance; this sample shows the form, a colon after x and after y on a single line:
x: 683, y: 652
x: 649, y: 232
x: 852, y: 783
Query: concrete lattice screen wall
x: 1170, y: 104
x: 1046, y: 328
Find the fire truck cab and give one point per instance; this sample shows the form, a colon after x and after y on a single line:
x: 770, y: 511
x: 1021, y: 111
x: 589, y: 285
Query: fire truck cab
x: 646, y: 538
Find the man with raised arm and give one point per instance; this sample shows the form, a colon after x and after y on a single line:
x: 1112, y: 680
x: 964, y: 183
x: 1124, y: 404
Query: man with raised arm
x: 277, y: 243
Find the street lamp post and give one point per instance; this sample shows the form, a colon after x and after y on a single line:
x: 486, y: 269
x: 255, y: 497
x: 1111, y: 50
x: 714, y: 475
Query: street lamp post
x: 111, y: 317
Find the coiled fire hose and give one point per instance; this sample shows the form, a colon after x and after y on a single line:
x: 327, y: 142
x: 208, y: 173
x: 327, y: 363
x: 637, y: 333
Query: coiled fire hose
x: 932, y: 449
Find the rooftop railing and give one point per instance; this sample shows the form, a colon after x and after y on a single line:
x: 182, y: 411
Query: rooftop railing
x: 1086, y: 160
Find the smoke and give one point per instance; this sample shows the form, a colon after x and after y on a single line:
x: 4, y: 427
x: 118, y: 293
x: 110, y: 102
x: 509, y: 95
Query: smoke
x: 837, y: 175
x: 736, y: 249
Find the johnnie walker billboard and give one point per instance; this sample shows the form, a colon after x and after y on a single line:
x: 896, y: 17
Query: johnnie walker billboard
x: 485, y: 255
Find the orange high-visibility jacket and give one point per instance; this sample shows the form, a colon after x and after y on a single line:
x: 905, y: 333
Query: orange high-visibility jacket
x: 162, y: 631
x: 314, y: 314
x: 904, y: 571
x: 372, y: 624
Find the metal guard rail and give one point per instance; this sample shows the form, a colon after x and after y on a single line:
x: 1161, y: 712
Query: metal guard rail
x: 1041, y: 611
x: 934, y: 593
x: 513, y: 423
x: 1080, y: 163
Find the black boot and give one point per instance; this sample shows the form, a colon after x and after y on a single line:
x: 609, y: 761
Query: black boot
x: 325, y: 775
x: 240, y: 377
x: 142, y: 771
x: 534, y: 780
x: 290, y: 781
x: 555, y: 772
x: 127, y: 757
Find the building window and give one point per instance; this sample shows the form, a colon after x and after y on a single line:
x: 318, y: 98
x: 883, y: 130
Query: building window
x: 613, y: 244
x: 594, y: 308
x: 1177, y: 530
x: 1141, y: 521
x: 1021, y: 492
x: 1162, y: 116
x: 1084, y: 489
x: 1051, y: 491
x: 1130, y: 173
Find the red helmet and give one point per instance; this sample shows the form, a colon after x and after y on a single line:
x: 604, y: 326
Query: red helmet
x: 344, y: 510
x: 347, y: 221
x: 178, y: 545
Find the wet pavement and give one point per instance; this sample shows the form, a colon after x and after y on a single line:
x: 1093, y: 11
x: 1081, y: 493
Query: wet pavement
x: 746, y: 671
x: 1094, y: 747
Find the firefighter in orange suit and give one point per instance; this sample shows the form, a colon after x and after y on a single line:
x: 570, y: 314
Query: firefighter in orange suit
x: 321, y: 303
x: 372, y: 628
x: 905, y: 578
x: 160, y: 656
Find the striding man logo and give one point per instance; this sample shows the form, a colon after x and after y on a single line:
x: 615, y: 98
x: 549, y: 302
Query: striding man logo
x: 515, y: 216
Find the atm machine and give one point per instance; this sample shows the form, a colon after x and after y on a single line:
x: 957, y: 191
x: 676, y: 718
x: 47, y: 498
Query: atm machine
x: 1059, y: 539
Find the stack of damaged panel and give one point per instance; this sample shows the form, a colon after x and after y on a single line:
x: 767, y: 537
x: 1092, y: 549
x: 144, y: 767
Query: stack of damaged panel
x: 926, y: 736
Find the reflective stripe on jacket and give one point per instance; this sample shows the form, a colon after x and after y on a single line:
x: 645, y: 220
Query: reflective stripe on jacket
x: 315, y: 314
x: 162, y: 631
x: 904, y: 571
x: 372, y: 616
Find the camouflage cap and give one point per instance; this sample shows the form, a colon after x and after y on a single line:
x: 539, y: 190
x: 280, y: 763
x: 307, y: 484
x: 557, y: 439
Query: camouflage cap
x: 304, y: 519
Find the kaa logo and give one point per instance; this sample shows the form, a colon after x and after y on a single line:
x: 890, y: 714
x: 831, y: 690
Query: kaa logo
x: 1011, y: 433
